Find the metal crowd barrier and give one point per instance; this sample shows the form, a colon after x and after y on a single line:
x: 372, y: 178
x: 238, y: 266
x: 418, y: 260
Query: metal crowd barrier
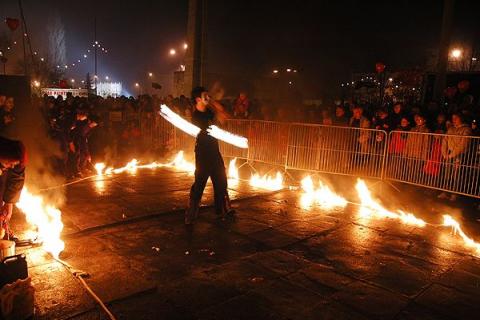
x: 425, y: 160
x: 438, y: 161
x: 338, y: 150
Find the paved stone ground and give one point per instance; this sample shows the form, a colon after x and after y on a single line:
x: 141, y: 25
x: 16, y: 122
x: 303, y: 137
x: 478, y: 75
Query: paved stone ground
x: 273, y: 260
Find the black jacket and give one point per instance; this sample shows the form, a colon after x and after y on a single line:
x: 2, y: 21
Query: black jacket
x: 11, y: 183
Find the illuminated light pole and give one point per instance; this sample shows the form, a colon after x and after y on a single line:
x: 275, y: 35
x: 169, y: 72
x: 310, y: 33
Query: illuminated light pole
x: 456, y: 53
x: 275, y: 71
x: 173, y: 52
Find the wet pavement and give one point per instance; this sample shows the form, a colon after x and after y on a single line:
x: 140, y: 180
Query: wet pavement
x: 272, y: 260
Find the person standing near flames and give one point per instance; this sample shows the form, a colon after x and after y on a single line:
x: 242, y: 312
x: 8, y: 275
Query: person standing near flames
x: 208, y: 160
x: 12, y: 179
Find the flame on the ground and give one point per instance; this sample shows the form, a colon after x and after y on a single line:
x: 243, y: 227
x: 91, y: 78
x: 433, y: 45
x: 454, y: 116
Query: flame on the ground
x: 448, y: 221
x: 46, y: 218
x: 182, y: 164
x: 322, y: 196
x: 179, y: 162
x: 267, y: 182
x: 232, y: 169
x: 99, y: 167
x: 371, y: 208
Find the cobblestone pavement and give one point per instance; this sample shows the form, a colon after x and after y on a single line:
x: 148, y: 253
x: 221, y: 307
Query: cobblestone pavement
x: 272, y: 260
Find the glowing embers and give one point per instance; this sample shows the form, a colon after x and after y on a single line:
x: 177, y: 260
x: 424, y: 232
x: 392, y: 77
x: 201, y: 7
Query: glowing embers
x: 322, y: 196
x: 448, y: 221
x: 267, y: 182
x: 370, y: 208
x: 46, y: 218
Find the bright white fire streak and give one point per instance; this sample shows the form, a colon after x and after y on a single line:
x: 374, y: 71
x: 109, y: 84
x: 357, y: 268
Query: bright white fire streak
x: 46, y: 218
x: 193, y: 130
x: 99, y: 167
x: 267, y: 182
x: 322, y: 196
x: 178, y: 121
x: 370, y: 207
x: 233, y: 170
x: 448, y: 221
x: 225, y: 136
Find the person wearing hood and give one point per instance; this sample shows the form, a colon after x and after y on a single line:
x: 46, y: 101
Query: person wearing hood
x: 453, y: 150
x: 12, y: 179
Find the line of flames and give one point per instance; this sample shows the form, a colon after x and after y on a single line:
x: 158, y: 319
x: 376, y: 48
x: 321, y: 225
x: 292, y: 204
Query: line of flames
x: 47, y: 218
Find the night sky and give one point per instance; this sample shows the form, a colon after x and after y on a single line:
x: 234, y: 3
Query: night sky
x: 324, y: 40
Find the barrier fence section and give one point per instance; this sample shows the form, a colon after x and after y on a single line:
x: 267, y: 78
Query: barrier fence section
x: 444, y: 162
x: 337, y: 150
x: 438, y: 161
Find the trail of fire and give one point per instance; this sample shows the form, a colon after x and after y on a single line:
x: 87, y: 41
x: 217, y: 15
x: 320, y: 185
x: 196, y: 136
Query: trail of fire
x: 267, y: 182
x: 179, y: 162
x: 322, y: 196
x: 46, y: 218
x: 371, y: 208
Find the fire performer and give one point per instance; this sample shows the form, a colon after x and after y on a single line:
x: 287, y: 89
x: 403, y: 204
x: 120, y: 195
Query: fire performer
x: 12, y: 178
x: 208, y: 160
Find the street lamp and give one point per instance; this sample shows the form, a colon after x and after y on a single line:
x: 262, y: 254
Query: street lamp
x: 173, y: 52
x: 150, y: 74
x: 137, y: 84
x: 73, y: 80
x: 275, y: 71
x: 107, y: 78
x: 185, y: 46
x: 456, y: 53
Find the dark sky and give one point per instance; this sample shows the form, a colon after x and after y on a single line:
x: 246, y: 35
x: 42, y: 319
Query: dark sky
x: 324, y: 40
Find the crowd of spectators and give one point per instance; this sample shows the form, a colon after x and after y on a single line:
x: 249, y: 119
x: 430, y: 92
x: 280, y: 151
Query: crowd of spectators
x: 110, y: 129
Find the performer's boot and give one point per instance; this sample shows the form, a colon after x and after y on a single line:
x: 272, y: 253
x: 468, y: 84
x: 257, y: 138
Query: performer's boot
x: 191, y: 213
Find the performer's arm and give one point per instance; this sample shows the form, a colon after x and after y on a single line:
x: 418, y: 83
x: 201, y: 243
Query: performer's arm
x: 220, y: 114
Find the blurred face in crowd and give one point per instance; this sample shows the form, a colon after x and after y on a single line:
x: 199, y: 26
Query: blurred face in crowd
x: 9, y: 104
x: 397, y: 108
x: 81, y: 116
x: 404, y: 122
x: 419, y: 120
x: 243, y: 96
x: 456, y: 120
x: 441, y: 119
x: 357, y: 113
x: 382, y: 114
x: 2, y: 100
x: 339, y: 112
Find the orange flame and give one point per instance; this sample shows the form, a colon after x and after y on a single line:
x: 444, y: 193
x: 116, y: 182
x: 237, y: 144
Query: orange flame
x: 267, y: 182
x: 371, y: 208
x: 47, y: 219
x: 322, y: 196
x: 448, y: 221
x: 233, y: 170
x: 178, y: 162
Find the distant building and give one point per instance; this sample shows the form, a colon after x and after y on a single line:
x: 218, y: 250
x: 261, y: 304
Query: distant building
x: 109, y: 89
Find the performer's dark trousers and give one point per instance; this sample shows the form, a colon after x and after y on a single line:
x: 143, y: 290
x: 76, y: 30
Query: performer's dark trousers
x: 210, y: 164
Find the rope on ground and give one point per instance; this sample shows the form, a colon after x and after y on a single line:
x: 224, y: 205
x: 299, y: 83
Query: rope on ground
x: 67, y: 183
x: 80, y: 275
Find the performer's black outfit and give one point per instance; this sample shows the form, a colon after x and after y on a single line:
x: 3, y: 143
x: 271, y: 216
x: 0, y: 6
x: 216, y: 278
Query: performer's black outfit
x: 208, y: 163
